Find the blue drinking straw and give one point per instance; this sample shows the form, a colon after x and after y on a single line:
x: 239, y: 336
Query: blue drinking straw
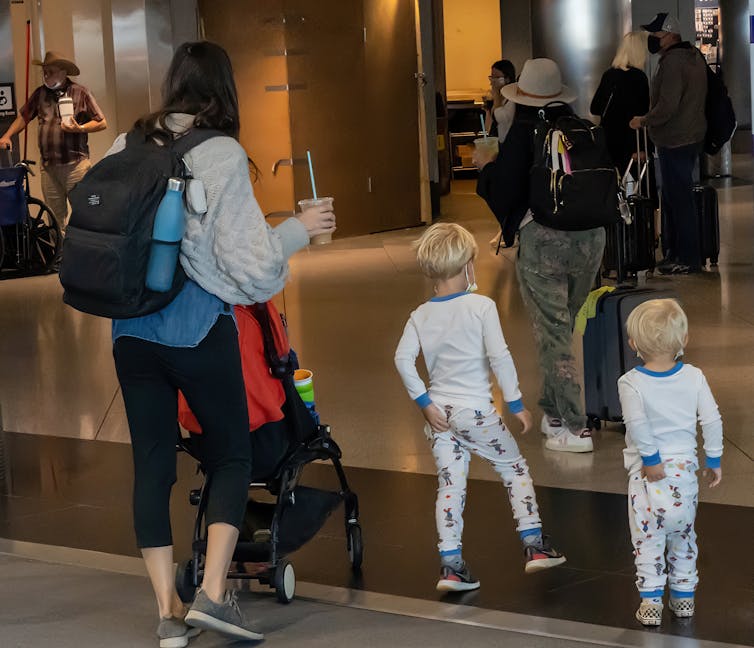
x: 484, y: 130
x: 311, y: 173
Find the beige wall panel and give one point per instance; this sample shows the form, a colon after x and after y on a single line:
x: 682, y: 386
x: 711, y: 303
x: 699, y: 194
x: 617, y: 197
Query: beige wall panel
x: 89, y: 31
x: 131, y: 60
x: 472, y: 43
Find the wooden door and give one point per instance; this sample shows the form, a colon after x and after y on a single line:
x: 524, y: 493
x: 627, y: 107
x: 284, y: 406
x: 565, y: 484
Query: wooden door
x: 354, y: 105
x: 392, y: 112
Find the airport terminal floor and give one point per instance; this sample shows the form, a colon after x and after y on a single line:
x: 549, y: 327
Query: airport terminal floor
x: 68, y: 568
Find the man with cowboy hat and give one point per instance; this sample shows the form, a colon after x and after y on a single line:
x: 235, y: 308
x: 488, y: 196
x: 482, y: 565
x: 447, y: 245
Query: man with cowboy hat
x: 63, y: 142
x: 555, y: 268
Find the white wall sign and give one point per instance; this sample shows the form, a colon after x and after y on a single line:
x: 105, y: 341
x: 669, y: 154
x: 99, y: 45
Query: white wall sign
x: 7, y: 100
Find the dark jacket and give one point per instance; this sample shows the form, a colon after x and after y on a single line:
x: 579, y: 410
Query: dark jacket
x: 621, y: 95
x: 679, y: 93
x: 504, y: 183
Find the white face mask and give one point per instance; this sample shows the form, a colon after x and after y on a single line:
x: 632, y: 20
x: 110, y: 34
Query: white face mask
x: 470, y: 287
x: 53, y: 86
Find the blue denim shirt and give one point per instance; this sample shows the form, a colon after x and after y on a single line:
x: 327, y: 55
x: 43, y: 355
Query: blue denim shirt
x: 184, y: 322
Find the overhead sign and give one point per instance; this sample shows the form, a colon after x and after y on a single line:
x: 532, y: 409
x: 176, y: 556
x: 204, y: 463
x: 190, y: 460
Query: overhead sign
x: 7, y: 100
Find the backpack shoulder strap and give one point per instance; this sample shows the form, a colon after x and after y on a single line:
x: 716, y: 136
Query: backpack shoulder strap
x: 192, y: 138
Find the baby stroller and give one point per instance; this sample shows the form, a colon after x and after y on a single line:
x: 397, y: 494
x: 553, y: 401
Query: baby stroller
x: 280, y: 450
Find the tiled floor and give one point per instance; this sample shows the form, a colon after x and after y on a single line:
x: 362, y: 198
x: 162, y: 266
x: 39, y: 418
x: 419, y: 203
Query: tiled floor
x: 84, y: 608
x: 47, y: 497
x: 346, y: 304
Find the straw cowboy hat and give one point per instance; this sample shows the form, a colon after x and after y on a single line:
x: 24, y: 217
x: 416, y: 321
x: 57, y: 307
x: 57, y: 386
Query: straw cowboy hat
x: 539, y: 84
x: 53, y: 58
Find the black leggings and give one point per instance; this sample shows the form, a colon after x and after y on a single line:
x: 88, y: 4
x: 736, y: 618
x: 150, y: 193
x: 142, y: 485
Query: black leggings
x: 209, y: 375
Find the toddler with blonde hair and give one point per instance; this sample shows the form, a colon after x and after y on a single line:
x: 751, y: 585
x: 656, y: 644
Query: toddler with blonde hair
x: 460, y: 337
x: 661, y: 401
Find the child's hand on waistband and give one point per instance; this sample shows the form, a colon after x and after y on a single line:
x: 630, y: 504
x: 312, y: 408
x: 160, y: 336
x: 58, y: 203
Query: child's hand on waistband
x: 715, y: 476
x: 653, y: 473
x: 436, y: 418
x: 526, y: 420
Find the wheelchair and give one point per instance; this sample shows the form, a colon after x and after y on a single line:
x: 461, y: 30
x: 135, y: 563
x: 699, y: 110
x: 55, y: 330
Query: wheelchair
x: 30, y: 238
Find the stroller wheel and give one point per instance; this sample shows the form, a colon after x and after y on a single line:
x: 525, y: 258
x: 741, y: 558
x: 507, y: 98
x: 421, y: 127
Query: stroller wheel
x: 285, y: 581
x: 355, y: 546
x: 184, y: 581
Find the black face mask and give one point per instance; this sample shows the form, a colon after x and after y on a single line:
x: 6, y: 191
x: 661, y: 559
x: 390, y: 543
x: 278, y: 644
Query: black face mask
x: 653, y: 44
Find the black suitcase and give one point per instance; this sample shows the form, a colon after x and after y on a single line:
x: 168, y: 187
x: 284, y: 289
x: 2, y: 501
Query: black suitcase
x: 630, y: 247
x: 630, y: 243
x: 607, y: 355
x: 708, y: 219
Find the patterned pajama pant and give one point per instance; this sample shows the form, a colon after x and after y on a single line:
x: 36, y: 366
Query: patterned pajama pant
x: 661, y: 516
x: 482, y: 433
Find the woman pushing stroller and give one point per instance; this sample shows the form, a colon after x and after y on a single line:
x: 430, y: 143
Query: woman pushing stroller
x: 230, y: 256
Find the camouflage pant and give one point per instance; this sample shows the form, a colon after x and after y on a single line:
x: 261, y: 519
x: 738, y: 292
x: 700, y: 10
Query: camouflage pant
x: 556, y: 270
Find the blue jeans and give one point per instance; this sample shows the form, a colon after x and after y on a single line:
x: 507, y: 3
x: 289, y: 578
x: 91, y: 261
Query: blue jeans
x: 679, y: 223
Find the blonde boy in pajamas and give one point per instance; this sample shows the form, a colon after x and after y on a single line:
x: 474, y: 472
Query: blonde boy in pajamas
x: 661, y: 402
x: 460, y: 337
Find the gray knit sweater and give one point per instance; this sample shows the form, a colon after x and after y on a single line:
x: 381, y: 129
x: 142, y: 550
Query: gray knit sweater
x: 231, y: 251
x: 679, y: 91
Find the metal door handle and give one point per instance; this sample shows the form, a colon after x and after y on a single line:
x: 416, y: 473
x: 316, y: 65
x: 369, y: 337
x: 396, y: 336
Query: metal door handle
x: 286, y: 162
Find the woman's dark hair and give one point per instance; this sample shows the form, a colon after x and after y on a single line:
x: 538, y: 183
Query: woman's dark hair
x: 199, y: 82
x: 507, y: 68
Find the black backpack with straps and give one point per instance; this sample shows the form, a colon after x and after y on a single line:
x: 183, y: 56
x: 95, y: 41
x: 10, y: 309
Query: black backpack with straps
x: 107, y: 243
x: 718, y: 110
x: 573, y: 183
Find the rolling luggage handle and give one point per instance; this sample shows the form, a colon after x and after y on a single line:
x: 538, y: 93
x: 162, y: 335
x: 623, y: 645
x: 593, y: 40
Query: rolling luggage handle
x: 630, y: 232
x: 642, y: 168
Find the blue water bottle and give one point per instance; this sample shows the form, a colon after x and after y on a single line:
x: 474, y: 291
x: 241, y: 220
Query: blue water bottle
x: 166, y: 238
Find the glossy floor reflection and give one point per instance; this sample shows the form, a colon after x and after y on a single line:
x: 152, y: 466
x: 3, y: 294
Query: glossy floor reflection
x: 347, y: 304
x: 76, y: 493
x: 65, y: 470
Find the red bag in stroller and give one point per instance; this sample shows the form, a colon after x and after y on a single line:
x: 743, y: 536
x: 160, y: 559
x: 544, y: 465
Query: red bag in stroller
x: 264, y: 391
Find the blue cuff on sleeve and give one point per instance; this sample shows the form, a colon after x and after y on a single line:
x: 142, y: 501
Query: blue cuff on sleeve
x: 423, y: 400
x: 713, y: 462
x: 652, y: 460
x: 516, y: 406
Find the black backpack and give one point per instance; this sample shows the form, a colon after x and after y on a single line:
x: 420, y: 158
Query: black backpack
x: 718, y: 109
x: 573, y: 183
x: 107, y: 242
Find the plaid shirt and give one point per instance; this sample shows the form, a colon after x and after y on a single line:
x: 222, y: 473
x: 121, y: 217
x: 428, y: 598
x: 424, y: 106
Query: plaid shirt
x: 55, y: 145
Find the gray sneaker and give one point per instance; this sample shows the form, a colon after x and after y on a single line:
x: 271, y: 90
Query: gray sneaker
x: 225, y: 617
x: 174, y: 633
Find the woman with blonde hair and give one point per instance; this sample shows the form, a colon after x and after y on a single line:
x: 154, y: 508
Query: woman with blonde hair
x: 623, y: 89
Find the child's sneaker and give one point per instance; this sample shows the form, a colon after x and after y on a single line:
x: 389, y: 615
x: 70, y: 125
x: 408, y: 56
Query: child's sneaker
x: 542, y: 556
x: 567, y: 441
x: 649, y: 614
x: 683, y: 608
x: 456, y: 580
x: 551, y: 426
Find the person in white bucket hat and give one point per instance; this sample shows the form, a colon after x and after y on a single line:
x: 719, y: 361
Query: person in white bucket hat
x: 555, y: 268
x: 540, y: 83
